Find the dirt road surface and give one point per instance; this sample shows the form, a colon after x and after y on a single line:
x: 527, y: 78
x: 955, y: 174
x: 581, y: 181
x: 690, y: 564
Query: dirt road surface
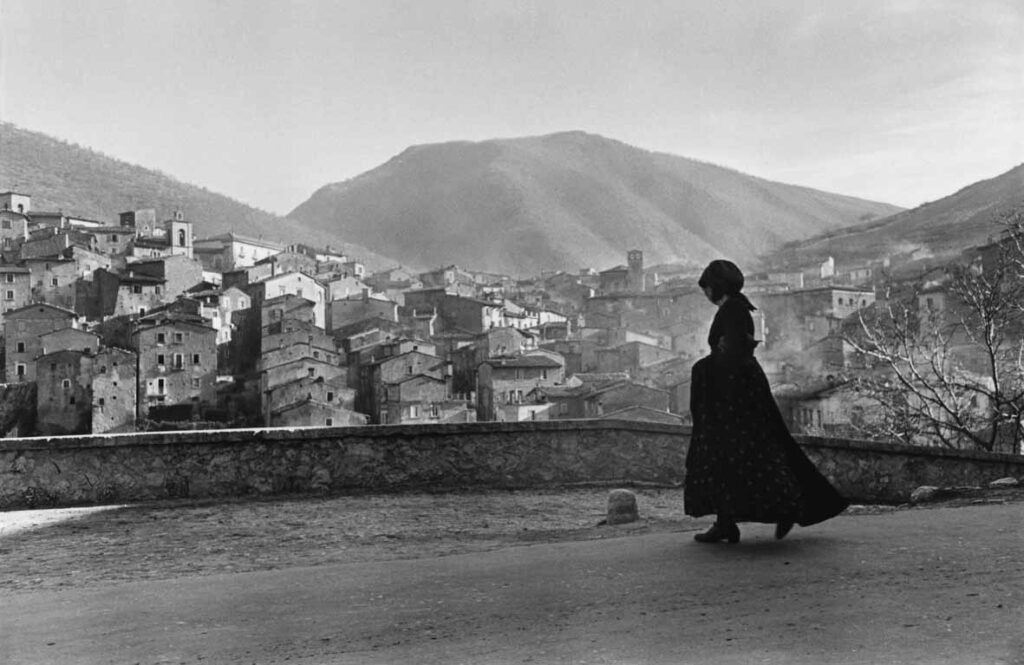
x: 505, y: 578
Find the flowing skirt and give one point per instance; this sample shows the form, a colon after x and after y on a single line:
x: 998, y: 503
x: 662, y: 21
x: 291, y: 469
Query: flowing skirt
x: 742, y: 462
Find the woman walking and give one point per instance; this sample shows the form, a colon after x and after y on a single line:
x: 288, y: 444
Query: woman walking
x: 743, y: 465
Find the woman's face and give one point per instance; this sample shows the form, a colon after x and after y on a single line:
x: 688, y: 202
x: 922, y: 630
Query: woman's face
x: 708, y: 293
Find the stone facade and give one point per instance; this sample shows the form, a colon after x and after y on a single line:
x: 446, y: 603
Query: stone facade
x: 234, y: 463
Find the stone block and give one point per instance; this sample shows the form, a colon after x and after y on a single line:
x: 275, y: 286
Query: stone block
x: 622, y: 507
x: 924, y: 493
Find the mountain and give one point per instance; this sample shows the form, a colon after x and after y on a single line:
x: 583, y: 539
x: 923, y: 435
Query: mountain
x: 941, y: 228
x: 566, y: 201
x: 63, y: 176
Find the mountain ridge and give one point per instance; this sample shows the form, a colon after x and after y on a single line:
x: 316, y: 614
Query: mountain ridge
x: 566, y: 200
x: 62, y: 176
x: 942, y: 228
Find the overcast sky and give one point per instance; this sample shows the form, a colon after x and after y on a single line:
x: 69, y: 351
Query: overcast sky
x: 902, y: 101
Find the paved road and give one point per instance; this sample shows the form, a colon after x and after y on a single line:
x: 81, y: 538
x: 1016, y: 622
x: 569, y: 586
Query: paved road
x: 942, y: 585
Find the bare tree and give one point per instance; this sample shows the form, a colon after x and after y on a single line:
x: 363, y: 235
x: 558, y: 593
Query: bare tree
x: 946, y: 355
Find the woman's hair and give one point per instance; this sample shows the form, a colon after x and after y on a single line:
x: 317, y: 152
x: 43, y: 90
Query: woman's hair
x: 723, y: 277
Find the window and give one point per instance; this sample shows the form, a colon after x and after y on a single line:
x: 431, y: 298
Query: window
x: 408, y: 370
x: 157, y: 288
x: 519, y: 397
x: 53, y: 281
x: 543, y: 374
x: 311, y: 371
x: 71, y: 400
x: 136, y: 288
x: 179, y: 361
x: 195, y: 359
x: 101, y: 403
x: 316, y: 354
x: 414, y: 411
x: 434, y: 411
x: 21, y: 347
x: 65, y: 383
x: 161, y: 338
x: 103, y: 369
x: 161, y: 386
x: 20, y: 369
x: 161, y: 359
x: 9, y: 277
x: 8, y: 295
x: 178, y: 337
x: 330, y: 396
x: 329, y: 422
x: 196, y: 383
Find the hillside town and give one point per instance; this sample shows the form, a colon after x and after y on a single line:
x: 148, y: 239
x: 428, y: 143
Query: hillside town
x: 139, y: 325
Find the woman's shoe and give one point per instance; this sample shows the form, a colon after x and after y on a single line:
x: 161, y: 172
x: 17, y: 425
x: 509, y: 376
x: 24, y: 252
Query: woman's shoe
x: 719, y: 532
x: 782, y: 528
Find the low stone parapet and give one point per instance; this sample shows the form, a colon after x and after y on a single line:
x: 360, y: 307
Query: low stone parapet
x: 61, y: 471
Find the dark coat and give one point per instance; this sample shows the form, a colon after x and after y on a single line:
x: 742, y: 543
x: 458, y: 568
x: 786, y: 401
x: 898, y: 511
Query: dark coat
x: 742, y: 463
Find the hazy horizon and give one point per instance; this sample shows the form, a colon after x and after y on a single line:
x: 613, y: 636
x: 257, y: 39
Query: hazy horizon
x: 900, y: 102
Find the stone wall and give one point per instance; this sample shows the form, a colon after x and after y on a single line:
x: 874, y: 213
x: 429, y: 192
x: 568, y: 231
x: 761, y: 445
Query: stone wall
x: 237, y: 463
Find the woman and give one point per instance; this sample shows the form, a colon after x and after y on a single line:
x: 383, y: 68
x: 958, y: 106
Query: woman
x: 743, y: 465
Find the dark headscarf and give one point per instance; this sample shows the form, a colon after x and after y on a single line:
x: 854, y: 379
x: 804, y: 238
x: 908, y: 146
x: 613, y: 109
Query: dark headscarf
x: 725, y: 279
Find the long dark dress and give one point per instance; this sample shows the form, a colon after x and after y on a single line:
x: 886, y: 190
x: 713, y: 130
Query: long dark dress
x: 743, y: 464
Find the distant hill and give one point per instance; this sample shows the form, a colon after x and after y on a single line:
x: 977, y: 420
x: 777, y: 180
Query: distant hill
x: 942, y: 228
x: 63, y: 176
x: 566, y: 201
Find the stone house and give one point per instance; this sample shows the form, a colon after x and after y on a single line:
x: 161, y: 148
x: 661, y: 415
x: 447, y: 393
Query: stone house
x: 23, y: 331
x: 114, y: 389
x: 488, y: 344
x: 20, y: 203
x: 312, y: 402
x: 54, y: 280
x: 272, y: 377
x: 136, y: 294
x: 594, y: 399
x: 140, y: 222
x: 15, y: 288
x: 457, y: 313
x: 378, y: 377
x: 353, y: 309
x: 178, y: 272
x: 418, y: 398
x: 13, y: 229
x: 112, y: 240
x: 69, y: 339
x: 52, y: 242
x: 340, y: 286
x: 177, y: 362
x: 796, y: 319
x: 277, y: 313
x: 217, y: 306
x: 230, y: 251
x: 64, y: 393
x: 289, y: 261
x: 631, y: 357
x: 452, y: 277
x: 509, y: 380
x: 308, y: 412
x: 292, y: 283
x: 825, y: 408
